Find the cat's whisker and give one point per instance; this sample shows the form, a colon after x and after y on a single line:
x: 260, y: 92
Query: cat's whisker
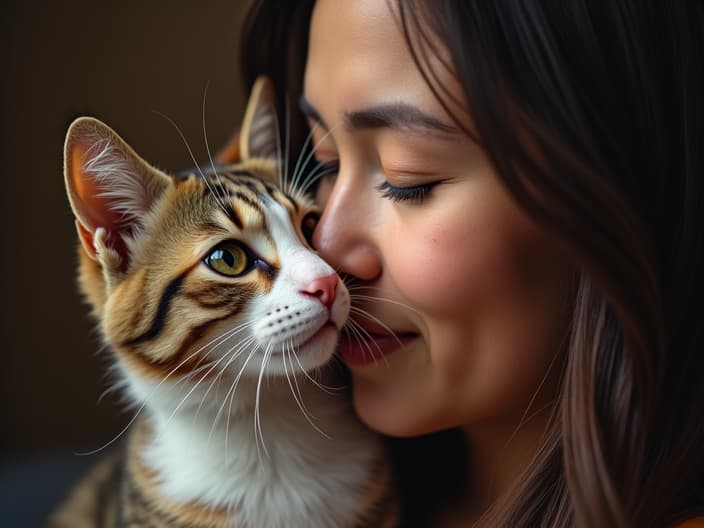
x: 285, y: 356
x: 314, y: 178
x: 144, y: 403
x: 359, y: 311
x: 258, y: 435
x: 356, y: 296
x: 115, y: 387
x: 217, y: 341
x: 210, y: 367
x: 360, y: 333
x: 319, y: 171
x: 288, y: 352
x: 232, y: 356
x: 207, y: 146
x: 298, y: 167
x: 287, y: 140
x: 195, y: 386
x: 193, y: 373
x: 354, y: 332
x: 297, y: 396
x: 279, y: 156
x: 195, y: 162
x: 325, y: 388
x: 230, y: 394
x: 353, y: 285
x: 312, y: 152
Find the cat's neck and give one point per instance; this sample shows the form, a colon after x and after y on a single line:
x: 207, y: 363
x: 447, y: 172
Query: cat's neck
x: 252, y: 456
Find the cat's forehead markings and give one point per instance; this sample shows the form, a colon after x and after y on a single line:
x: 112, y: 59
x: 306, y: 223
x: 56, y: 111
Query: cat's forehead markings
x: 221, y: 179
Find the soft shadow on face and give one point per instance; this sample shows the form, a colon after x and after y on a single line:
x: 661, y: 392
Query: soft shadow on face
x: 475, y: 291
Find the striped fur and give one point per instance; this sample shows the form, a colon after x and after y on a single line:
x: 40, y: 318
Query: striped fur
x: 221, y: 439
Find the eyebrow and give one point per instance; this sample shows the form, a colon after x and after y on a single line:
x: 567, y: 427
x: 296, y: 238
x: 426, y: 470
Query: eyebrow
x: 395, y: 116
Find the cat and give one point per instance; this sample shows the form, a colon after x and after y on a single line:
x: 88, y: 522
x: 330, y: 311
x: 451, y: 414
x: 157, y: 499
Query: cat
x: 222, y: 320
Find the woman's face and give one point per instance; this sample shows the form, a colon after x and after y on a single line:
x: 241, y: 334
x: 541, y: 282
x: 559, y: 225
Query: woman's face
x: 473, y: 290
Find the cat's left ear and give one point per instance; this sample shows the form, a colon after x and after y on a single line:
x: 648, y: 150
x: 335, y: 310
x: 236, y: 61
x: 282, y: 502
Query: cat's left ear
x: 111, y: 189
x: 258, y: 136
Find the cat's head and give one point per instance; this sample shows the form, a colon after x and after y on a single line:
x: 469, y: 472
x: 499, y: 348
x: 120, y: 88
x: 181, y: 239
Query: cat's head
x: 209, y: 271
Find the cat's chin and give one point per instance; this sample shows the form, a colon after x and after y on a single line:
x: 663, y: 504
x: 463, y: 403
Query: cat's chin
x: 312, y: 353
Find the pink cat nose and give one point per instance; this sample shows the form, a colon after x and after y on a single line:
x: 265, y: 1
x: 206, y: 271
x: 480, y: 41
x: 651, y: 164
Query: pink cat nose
x: 323, y: 288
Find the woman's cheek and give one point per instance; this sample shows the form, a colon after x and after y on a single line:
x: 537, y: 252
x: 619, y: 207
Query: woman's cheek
x: 435, y: 271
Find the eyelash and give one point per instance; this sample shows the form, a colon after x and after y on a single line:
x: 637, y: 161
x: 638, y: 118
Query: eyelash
x: 415, y: 194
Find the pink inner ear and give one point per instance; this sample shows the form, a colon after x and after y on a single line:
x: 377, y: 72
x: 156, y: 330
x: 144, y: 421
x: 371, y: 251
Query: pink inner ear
x: 94, y: 211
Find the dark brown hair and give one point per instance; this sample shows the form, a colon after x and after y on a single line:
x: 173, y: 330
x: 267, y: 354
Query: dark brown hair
x: 592, y: 114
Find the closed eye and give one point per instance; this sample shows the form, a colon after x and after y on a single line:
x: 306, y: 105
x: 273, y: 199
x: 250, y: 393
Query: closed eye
x: 414, y: 194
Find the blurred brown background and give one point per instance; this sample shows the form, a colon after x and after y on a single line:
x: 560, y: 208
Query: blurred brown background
x: 121, y: 62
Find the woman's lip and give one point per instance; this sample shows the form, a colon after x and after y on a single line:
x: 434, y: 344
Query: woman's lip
x: 358, y: 350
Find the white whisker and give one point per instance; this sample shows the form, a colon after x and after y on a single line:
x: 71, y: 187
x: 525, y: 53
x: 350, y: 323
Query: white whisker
x: 297, y: 395
x: 144, y: 403
x: 279, y: 155
x: 359, y: 334
x: 312, y: 153
x: 325, y: 388
x: 193, y: 158
x: 232, y: 357
x: 317, y: 172
x: 231, y: 391
x: 298, y: 167
x: 257, y: 421
x: 359, y: 311
x: 207, y: 147
x: 356, y: 296
x: 287, y: 140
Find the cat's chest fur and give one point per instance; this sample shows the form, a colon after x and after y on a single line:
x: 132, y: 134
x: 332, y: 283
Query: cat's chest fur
x: 297, y: 478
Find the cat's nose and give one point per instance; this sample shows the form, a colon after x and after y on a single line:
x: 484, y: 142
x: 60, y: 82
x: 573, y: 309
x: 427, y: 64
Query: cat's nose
x: 323, y: 288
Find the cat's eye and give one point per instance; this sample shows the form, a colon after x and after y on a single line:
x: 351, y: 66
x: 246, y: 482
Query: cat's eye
x: 228, y: 258
x: 308, y: 225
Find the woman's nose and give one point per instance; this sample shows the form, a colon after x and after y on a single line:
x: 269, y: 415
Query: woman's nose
x: 344, y: 236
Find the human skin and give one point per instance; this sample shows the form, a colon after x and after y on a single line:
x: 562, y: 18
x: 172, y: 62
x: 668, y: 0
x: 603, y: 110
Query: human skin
x: 476, y: 290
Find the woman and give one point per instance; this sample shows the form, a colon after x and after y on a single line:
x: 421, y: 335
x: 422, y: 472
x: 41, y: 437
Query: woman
x: 515, y: 191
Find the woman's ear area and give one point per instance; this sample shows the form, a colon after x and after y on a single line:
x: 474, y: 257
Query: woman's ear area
x: 258, y: 135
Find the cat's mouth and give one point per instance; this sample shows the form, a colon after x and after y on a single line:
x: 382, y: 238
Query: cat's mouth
x: 309, y: 353
x: 314, y: 340
x: 324, y: 329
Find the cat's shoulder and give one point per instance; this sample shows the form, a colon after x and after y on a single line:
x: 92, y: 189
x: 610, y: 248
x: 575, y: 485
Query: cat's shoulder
x: 94, y: 500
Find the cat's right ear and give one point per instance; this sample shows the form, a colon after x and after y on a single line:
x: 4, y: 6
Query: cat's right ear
x: 258, y: 137
x: 110, y: 188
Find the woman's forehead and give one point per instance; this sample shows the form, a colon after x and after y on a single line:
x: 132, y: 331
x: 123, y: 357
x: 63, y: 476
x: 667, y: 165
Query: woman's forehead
x: 350, y: 42
x: 358, y: 58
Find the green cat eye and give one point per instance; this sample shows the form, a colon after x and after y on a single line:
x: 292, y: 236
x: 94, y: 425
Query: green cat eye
x: 228, y: 258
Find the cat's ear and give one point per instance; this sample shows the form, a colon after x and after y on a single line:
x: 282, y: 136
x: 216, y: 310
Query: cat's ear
x: 110, y: 188
x: 259, y: 136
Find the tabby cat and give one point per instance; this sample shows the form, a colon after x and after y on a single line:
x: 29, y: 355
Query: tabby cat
x: 222, y: 321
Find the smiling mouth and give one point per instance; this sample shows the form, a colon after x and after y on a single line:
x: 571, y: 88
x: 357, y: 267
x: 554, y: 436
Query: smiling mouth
x: 356, y: 350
